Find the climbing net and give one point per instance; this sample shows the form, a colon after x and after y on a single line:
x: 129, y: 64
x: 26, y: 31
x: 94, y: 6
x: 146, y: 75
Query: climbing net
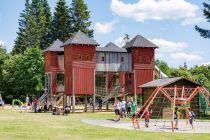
x: 162, y: 102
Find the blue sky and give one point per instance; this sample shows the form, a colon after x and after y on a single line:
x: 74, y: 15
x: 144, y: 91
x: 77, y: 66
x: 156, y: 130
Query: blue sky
x: 167, y: 23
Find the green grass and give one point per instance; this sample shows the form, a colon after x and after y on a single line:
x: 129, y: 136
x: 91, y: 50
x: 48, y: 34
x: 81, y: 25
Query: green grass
x: 44, y: 126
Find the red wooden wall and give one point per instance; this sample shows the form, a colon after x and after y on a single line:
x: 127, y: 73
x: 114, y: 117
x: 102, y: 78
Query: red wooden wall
x: 51, y: 66
x: 143, y: 65
x: 81, y: 58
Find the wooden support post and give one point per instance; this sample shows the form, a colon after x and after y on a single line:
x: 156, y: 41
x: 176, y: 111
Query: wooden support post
x: 94, y: 97
x: 107, y: 105
x: 85, y: 103
x: 175, y: 92
x: 135, y: 96
x: 73, y: 94
x: 73, y: 103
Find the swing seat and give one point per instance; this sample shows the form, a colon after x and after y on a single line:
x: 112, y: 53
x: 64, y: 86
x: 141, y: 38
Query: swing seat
x: 180, y: 101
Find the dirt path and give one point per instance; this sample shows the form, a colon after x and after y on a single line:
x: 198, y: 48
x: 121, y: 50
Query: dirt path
x: 155, y: 126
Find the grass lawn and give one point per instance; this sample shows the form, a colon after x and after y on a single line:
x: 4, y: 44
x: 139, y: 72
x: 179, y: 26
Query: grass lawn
x: 44, y: 126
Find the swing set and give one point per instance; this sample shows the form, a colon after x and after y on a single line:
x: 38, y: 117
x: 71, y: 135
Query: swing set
x: 172, y: 96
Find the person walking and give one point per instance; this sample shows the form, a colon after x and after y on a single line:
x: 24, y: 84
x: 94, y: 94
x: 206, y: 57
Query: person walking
x: 176, y: 118
x: 117, y: 109
x: 191, y: 115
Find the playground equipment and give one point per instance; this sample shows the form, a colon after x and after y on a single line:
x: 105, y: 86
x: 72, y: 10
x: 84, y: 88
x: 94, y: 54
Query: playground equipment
x: 1, y: 100
x: 163, y: 99
x: 18, y: 101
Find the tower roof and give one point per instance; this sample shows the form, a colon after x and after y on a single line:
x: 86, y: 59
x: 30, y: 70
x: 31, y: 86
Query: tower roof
x: 80, y: 38
x: 140, y: 42
x: 55, y: 46
x: 110, y: 47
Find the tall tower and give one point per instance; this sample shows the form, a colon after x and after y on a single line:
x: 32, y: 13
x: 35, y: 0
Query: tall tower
x: 79, y: 63
x: 143, y: 57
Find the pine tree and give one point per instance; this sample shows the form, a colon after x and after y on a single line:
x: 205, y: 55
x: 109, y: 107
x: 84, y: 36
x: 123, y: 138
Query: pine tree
x: 80, y: 17
x: 20, y: 42
x: 206, y: 12
x: 61, y: 22
x: 46, y: 39
x: 38, y: 21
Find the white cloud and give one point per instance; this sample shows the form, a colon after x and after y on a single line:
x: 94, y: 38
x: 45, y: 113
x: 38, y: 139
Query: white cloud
x: 191, y: 21
x: 174, y: 50
x: 155, y: 9
x: 105, y: 27
x: 169, y: 46
x: 119, y: 41
x: 186, y: 56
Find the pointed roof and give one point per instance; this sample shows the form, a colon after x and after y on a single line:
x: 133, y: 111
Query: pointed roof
x: 55, y: 46
x: 165, y: 82
x: 110, y: 47
x: 140, y: 41
x: 80, y: 38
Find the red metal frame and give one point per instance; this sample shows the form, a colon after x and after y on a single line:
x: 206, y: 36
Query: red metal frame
x: 165, y: 92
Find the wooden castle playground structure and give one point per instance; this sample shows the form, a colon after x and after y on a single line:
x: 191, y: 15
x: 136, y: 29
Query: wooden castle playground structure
x: 79, y: 68
x: 170, y: 97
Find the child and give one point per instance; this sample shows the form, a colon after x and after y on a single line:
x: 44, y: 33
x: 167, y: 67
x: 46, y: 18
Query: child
x: 133, y: 107
x: 176, y: 118
x: 117, y: 109
x: 191, y: 115
x: 129, y: 107
x: 122, y: 106
x: 147, y: 117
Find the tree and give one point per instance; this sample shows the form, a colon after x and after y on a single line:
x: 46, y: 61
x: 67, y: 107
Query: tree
x: 163, y: 66
x: 46, y: 40
x: 80, y: 17
x: 206, y: 12
x: 20, y: 42
x: 61, y: 22
x: 23, y: 74
x: 126, y: 38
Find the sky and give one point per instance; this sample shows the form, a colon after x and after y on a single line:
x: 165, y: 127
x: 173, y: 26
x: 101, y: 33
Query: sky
x: 167, y: 23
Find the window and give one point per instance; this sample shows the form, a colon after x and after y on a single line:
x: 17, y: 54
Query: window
x: 80, y: 57
x: 147, y: 60
x: 140, y: 59
x: 103, y: 58
x: 122, y: 59
x: 87, y: 57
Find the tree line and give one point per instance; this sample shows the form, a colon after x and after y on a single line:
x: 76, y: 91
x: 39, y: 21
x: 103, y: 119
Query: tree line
x: 22, y: 70
x: 199, y: 74
x: 38, y: 28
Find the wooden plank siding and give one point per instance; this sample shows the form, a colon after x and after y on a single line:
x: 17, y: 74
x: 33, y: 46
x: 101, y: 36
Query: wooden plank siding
x: 81, y: 59
x: 112, y: 62
x: 143, y: 65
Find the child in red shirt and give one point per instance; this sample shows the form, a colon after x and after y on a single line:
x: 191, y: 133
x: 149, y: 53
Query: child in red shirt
x: 147, y: 117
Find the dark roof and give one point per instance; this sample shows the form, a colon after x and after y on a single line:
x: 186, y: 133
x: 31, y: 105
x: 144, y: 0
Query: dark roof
x: 111, y: 47
x: 80, y: 38
x: 140, y: 41
x: 55, y: 46
x: 164, y: 82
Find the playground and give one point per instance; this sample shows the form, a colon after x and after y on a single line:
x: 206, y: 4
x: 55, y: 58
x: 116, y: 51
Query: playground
x: 31, y: 126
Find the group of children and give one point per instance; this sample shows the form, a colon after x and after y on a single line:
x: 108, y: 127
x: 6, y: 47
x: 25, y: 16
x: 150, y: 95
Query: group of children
x: 121, y: 107
x: 190, y: 114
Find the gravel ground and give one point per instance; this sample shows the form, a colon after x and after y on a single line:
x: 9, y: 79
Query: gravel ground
x: 155, y: 126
